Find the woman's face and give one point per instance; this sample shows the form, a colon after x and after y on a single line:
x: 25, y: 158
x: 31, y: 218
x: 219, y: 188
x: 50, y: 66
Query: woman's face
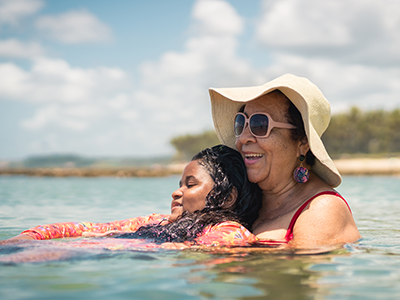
x: 194, y: 187
x: 269, y: 161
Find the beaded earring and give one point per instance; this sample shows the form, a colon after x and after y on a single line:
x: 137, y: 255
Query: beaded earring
x: 301, y: 173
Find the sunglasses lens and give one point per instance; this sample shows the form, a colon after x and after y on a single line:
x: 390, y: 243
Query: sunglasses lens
x: 239, y: 124
x: 259, y: 125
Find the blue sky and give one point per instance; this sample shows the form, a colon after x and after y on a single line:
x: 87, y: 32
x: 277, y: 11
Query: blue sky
x: 121, y: 78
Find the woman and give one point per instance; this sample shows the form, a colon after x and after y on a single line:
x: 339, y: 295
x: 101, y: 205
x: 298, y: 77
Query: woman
x: 213, y: 200
x: 277, y: 128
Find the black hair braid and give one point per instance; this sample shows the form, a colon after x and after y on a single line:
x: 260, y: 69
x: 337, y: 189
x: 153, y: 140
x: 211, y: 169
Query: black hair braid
x: 227, y: 169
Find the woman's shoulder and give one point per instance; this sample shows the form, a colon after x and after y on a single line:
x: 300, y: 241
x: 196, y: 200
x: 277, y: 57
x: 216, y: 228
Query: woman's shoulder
x: 319, y: 198
x: 328, y: 217
x: 324, y: 207
x: 328, y: 201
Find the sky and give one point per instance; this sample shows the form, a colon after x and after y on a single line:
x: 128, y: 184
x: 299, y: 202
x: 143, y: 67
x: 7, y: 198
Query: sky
x: 119, y: 78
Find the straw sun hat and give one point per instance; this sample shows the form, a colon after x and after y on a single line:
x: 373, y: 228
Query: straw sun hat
x: 309, y: 100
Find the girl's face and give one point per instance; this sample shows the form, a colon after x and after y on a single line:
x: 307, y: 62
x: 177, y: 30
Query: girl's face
x: 194, y: 187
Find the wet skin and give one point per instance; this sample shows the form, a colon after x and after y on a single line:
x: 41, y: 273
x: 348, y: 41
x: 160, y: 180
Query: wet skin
x: 194, y: 186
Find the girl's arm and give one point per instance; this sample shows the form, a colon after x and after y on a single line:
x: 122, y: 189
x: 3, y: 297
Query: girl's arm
x: 16, y: 238
x: 226, y: 234
x: 76, y: 229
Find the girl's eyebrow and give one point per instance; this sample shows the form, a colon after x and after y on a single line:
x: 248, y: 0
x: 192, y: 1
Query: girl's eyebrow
x: 190, y: 177
x: 187, y: 178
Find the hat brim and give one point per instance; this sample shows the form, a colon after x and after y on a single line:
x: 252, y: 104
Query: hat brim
x: 226, y: 102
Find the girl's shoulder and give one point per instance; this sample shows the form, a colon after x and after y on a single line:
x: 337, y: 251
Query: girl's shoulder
x: 228, y: 233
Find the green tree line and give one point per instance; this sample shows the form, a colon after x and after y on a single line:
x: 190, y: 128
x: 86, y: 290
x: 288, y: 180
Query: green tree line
x: 188, y: 145
x: 353, y: 132
x: 363, y: 132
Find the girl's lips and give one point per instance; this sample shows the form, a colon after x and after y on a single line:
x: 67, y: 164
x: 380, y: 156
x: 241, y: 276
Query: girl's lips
x: 175, y: 204
x: 252, y: 158
x: 175, y: 207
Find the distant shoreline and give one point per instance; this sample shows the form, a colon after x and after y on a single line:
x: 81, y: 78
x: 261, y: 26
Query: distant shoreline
x: 368, y: 166
x: 93, y: 172
x: 351, y: 166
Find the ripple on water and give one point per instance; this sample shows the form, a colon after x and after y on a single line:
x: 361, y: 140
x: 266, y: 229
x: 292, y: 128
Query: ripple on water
x: 369, y: 269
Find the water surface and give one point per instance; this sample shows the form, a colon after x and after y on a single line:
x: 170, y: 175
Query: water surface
x: 369, y: 269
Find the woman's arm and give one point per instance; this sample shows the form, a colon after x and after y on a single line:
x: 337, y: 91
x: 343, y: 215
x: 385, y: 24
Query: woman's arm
x: 326, y: 220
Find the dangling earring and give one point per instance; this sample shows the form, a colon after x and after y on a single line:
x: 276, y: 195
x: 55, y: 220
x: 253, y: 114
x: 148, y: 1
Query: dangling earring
x: 301, y: 173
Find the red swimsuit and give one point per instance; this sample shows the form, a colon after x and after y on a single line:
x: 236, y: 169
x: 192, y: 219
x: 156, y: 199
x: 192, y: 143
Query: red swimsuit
x: 289, y: 232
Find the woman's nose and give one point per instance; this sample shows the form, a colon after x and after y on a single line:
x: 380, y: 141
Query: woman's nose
x: 177, y: 194
x: 246, y: 136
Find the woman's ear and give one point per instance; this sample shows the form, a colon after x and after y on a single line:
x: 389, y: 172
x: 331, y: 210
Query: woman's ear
x: 303, y: 147
x: 231, y: 201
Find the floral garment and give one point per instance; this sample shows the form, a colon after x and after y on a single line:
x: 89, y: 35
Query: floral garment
x: 75, y: 229
x: 227, y: 233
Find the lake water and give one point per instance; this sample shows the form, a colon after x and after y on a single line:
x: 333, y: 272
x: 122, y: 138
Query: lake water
x: 369, y: 269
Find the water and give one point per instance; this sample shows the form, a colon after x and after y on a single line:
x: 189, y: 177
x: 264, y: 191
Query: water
x: 369, y: 269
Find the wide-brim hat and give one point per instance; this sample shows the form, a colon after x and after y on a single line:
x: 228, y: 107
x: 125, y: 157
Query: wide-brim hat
x: 309, y: 100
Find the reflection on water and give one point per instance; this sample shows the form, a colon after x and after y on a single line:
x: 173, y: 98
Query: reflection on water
x: 272, y: 276
x: 369, y: 269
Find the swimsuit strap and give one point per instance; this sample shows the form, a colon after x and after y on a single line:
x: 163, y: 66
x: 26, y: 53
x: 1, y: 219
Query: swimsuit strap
x: 289, y: 233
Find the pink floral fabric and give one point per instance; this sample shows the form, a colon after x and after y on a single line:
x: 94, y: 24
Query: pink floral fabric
x: 75, y: 229
x: 223, y: 234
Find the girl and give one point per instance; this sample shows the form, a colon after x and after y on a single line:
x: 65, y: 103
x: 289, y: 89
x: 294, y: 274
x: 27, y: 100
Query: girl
x: 214, y: 205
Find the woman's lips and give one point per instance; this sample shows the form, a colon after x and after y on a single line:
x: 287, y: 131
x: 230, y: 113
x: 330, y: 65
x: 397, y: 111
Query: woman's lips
x: 252, y: 158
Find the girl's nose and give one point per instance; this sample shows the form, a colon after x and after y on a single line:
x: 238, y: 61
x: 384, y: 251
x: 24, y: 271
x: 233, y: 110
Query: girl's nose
x: 177, y: 194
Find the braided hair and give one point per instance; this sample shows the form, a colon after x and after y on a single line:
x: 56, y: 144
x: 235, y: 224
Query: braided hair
x: 228, y: 171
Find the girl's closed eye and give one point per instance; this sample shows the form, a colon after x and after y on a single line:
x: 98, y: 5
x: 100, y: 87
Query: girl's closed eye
x: 190, y: 184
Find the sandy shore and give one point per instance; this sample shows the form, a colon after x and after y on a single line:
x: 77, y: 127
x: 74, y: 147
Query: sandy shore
x: 93, y: 172
x: 369, y: 166
x: 359, y: 166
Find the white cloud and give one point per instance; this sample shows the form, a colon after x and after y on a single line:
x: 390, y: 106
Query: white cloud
x: 13, y: 48
x: 310, y: 23
x: 336, y: 47
x: 174, y: 89
x: 74, y: 27
x: 47, y: 144
x: 54, y: 80
x: 53, y: 115
x: 83, y: 111
x: 67, y: 97
x: 354, y: 31
x: 344, y: 85
x: 170, y: 99
x: 350, y: 49
x: 73, y: 117
x: 11, y: 11
x: 118, y: 102
x: 217, y: 17
x: 129, y: 115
